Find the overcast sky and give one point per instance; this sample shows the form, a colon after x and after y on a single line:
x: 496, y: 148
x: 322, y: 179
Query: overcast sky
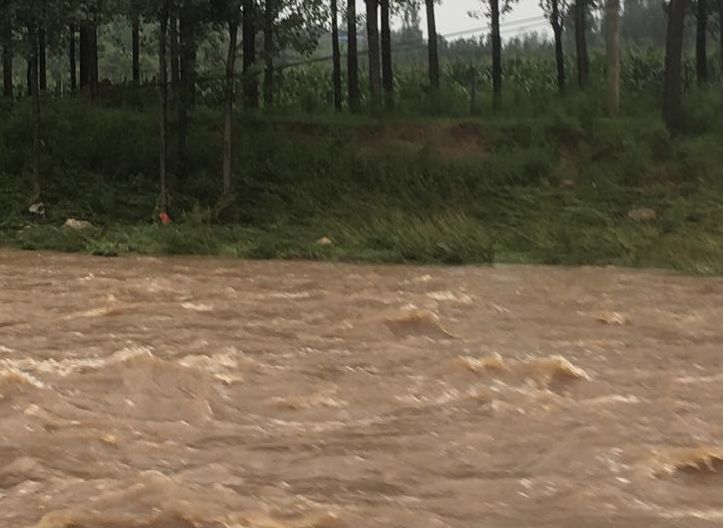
x: 452, y: 16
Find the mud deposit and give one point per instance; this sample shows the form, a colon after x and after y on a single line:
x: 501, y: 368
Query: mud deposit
x: 211, y: 393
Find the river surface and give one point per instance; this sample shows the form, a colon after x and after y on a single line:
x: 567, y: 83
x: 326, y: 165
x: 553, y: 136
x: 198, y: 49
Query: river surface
x: 211, y: 393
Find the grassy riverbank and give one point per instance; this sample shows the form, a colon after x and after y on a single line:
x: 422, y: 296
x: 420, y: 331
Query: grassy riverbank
x: 559, y: 189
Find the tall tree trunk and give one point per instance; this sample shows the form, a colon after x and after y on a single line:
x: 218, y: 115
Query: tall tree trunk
x: 433, y: 63
x: 35, y: 95
x: 89, y: 56
x: 270, y: 15
x: 174, y: 51
x: 336, y: 59
x: 581, y: 12
x: 42, y: 60
x: 251, y: 86
x: 473, y: 90
x: 29, y: 73
x: 83, y: 45
x: 163, y: 99
x: 186, y: 86
x: 136, y: 49
x: 187, y: 49
x: 7, y: 60
x: 613, y: 58
x: 497, y: 64
x: 721, y: 37
x: 229, y: 104
x: 353, y: 93
x: 71, y: 59
x: 373, y: 52
x: 702, y: 15
x: 386, y: 44
x: 557, y: 25
x: 94, y: 59
x: 672, y: 72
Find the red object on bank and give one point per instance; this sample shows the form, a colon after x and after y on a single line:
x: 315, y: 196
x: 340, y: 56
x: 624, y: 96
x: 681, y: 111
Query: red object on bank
x: 165, y: 219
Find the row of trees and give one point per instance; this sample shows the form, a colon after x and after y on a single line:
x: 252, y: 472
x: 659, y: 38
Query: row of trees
x: 29, y: 27
x: 276, y: 25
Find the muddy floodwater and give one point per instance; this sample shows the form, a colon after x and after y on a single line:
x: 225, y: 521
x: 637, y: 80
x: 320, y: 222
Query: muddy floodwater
x: 211, y: 393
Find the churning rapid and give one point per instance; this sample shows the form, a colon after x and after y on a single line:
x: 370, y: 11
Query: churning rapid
x: 211, y: 393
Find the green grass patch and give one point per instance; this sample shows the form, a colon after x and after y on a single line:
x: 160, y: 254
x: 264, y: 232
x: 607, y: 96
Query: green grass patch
x: 554, y: 189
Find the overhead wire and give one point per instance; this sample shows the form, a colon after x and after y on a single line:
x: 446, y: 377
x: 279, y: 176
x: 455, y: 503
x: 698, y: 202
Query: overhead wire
x: 506, y: 28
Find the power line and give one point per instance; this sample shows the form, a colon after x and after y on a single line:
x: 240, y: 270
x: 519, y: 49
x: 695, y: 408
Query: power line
x: 506, y: 27
x: 540, y: 18
x: 529, y: 26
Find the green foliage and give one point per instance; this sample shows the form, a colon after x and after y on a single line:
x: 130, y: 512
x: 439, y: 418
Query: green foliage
x: 557, y: 188
x: 699, y: 110
x: 450, y: 238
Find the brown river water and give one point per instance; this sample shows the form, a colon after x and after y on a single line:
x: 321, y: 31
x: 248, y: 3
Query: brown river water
x: 212, y: 393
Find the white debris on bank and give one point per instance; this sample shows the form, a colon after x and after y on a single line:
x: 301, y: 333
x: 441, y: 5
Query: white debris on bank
x: 77, y: 225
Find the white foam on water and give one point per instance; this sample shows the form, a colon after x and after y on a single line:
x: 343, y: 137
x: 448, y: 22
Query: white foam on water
x: 447, y: 295
x: 612, y: 398
x: 12, y: 376
x: 197, y: 307
x: 64, y: 367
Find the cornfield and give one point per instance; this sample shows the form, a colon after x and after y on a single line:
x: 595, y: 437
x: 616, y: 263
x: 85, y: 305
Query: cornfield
x: 529, y: 81
x: 529, y: 84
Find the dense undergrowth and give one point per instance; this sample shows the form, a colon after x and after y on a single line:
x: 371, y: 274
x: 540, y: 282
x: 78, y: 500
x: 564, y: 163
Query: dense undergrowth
x: 555, y: 189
